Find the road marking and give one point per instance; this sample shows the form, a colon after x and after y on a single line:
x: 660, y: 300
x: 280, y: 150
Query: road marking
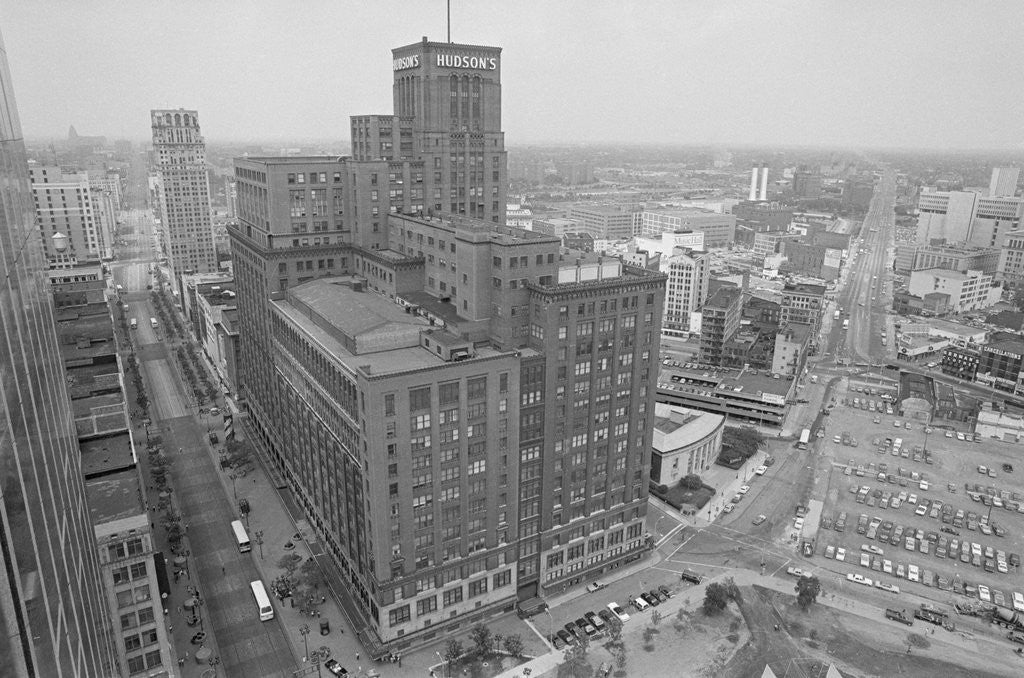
x: 781, y: 566
x: 669, y: 534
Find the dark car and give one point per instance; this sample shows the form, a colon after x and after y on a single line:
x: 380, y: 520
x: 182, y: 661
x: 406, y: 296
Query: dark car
x: 595, y: 621
x: 651, y: 600
x: 557, y: 642
x: 1008, y: 468
x: 335, y: 668
x: 665, y: 590
x: 567, y: 638
x: 576, y: 631
x: 769, y: 461
x: 1014, y: 559
x: 606, y: 615
x: 659, y: 595
x: 587, y: 627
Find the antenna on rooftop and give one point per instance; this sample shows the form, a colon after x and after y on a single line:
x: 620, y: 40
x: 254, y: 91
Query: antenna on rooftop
x: 448, y: 3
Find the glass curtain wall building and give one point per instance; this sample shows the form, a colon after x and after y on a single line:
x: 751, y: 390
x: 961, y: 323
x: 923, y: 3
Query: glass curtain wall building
x: 52, y: 610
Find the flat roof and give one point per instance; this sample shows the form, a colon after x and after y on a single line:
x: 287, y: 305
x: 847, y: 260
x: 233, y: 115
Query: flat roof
x: 676, y: 427
x: 749, y: 382
x: 806, y: 288
x: 114, y: 496
x: 101, y: 456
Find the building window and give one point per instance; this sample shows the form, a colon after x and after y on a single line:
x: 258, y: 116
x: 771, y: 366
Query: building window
x: 426, y: 606
x: 477, y: 588
x: 399, y: 615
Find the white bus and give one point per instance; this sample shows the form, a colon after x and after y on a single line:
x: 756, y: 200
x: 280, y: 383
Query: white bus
x: 240, y: 536
x: 262, y: 600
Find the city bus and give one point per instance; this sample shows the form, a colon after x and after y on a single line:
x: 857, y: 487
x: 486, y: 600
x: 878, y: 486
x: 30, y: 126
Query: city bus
x: 262, y: 600
x: 240, y: 536
x: 805, y: 437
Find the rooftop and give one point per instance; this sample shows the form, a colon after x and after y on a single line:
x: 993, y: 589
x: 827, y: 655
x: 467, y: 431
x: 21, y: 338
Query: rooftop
x: 364, y: 330
x: 101, y: 456
x: 804, y: 288
x: 676, y: 427
x: 749, y: 383
x: 114, y: 496
x: 916, y: 386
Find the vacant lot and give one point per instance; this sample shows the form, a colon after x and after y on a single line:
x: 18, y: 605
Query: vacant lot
x: 807, y: 642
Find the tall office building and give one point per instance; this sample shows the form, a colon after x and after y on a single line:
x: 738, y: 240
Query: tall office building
x: 461, y: 407
x: 52, y: 602
x: 64, y: 204
x: 184, y: 193
x: 452, y: 95
x: 1004, y: 182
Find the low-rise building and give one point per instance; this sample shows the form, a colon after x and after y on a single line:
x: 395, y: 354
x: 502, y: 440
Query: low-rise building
x: 960, y: 362
x: 1011, y: 260
x: 685, y: 442
x: 741, y: 394
x: 719, y: 229
x: 1001, y: 361
x: 968, y: 291
x: 791, y: 343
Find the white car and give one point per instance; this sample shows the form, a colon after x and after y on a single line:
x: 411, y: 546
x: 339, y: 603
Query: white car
x: 595, y: 586
x: 912, y: 499
x: 913, y: 573
x: 871, y: 548
x: 798, y: 524
x: 859, y: 579
x: 619, y: 612
x: 897, y: 424
x: 887, y: 566
x: 1018, y: 601
x: 795, y: 571
x: 841, y: 554
x: 744, y: 489
x: 892, y: 588
x: 760, y: 470
x: 1001, y: 566
x: 865, y: 560
x: 984, y: 594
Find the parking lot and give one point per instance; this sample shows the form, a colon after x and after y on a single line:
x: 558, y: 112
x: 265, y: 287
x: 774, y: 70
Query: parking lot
x: 918, y: 512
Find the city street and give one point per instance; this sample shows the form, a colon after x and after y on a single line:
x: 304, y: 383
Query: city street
x: 219, y: 573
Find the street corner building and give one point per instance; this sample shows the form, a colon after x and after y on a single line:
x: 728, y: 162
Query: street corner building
x: 463, y: 408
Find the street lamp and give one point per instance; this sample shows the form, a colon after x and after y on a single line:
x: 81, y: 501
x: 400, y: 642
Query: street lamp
x: 304, y: 630
x: 551, y: 623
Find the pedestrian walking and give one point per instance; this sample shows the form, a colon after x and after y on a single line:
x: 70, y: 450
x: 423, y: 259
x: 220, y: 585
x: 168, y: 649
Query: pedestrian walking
x: 357, y: 658
x: 222, y: 569
x: 323, y: 599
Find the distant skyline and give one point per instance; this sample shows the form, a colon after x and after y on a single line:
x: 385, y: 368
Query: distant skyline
x: 940, y: 74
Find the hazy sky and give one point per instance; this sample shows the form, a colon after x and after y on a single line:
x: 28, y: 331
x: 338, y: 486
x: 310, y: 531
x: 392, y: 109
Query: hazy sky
x: 939, y: 74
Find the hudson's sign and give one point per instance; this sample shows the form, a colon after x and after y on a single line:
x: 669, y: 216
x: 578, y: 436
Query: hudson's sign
x: 449, y: 61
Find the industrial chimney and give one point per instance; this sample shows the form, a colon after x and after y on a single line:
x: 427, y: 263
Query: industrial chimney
x: 763, y: 195
x: 753, y: 183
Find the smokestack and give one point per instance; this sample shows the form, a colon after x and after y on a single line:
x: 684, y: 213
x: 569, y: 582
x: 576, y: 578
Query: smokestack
x: 764, y: 182
x: 753, y: 183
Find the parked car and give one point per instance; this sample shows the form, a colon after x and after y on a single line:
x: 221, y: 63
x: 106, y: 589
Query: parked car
x: 595, y: 586
x: 760, y: 519
x: 651, y: 600
x: 335, y: 668
x: 615, y: 609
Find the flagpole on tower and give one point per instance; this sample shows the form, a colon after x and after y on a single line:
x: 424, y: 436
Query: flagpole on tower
x: 448, y: 3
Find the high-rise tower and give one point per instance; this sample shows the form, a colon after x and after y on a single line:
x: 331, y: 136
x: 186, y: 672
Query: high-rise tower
x: 52, y: 608
x: 452, y: 92
x: 180, y: 152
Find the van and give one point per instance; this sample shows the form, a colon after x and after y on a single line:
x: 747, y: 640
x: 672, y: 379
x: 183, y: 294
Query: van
x: 153, y: 323
x: 690, y: 576
x: 640, y: 604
